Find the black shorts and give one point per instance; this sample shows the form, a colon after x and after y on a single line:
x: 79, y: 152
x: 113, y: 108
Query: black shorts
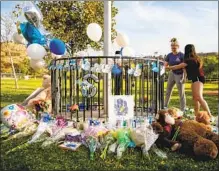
x: 200, y: 78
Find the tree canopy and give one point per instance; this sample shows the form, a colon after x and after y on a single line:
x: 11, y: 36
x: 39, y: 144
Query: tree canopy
x: 68, y: 20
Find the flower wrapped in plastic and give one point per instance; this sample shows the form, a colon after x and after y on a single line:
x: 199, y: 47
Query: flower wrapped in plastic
x: 43, y: 126
x: 123, y: 141
x: 60, y: 128
x: 27, y: 130
x: 95, y: 131
x: 92, y: 143
x: 107, y: 141
x: 144, y: 137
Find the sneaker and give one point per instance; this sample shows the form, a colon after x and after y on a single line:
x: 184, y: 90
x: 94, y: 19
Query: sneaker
x: 176, y: 146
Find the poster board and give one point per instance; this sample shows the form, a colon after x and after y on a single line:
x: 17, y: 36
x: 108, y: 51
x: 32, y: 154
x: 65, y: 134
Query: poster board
x: 121, y: 108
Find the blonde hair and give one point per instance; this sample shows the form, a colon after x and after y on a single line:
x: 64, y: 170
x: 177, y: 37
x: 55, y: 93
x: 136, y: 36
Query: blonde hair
x: 174, y: 41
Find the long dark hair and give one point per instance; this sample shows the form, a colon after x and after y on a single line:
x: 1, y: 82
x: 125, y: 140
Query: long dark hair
x: 190, y: 54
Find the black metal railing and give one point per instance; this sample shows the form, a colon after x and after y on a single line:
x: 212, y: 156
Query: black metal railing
x: 147, y: 89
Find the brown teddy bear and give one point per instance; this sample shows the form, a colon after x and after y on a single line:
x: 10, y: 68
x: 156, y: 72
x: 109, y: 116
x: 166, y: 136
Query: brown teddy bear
x: 197, y: 136
x: 203, y: 117
x: 192, y: 135
x: 43, y: 94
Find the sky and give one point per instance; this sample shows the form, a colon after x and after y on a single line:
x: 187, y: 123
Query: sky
x: 150, y: 25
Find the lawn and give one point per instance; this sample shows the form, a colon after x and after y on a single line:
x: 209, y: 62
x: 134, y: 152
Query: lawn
x: 53, y: 158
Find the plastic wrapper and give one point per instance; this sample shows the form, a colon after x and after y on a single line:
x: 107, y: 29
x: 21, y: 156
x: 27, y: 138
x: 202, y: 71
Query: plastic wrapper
x: 92, y: 143
x: 120, y: 149
x: 60, y: 128
x: 28, y: 130
x: 42, y: 127
x: 123, y: 140
x: 138, y: 136
x: 59, y: 136
x: 112, y: 148
x: 107, y: 140
x: 95, y: 131
x: 144, y: 137
x: 159, y: 152
x: 150, y: 138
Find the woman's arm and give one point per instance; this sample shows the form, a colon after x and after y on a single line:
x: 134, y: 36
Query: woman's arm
x: 175, y: 67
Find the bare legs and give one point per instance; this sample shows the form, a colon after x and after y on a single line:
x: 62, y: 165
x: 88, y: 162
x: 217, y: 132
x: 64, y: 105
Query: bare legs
x: 197, y: 93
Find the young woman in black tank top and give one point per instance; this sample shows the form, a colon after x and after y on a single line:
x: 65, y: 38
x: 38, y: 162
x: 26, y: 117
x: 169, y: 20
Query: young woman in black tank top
x: 194, y: 69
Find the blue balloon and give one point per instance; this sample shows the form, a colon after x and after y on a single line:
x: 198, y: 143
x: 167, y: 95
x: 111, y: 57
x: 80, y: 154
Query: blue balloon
x: 32, y: 34
x: 57, y: 47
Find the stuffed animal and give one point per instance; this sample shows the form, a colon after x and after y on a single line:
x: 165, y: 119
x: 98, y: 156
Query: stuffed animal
x: 42, y: 94
x: 175, y: 112
x: 197, y: 137
x: 192, y: 135
x: 203, y: 117
x: 164, y: 126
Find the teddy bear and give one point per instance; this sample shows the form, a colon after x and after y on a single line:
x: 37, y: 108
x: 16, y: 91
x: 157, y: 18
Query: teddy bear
x: 203, y: 117
x: 192, y: 135
x: 41, y: 94
x: 164, y: 126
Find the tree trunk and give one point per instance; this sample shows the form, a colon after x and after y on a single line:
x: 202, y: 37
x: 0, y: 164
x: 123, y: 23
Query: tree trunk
x: 13, y: 70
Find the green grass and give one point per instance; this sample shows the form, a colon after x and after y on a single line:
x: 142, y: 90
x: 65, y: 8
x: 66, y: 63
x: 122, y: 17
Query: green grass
x: 54, y: 158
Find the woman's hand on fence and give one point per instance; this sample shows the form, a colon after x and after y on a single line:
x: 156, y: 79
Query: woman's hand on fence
x: 168, y: 68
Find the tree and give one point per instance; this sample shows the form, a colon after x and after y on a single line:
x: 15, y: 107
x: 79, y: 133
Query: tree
x: 7, y: 29
x: 68, y: 20
x: 210, y: 66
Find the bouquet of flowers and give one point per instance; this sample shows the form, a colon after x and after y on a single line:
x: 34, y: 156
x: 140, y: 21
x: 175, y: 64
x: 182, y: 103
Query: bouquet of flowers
x: 59, y: 130
x: 144, y: 137
x: 92, y: 143
x: 42, y: 127
x: 95, y: 131
x: 108, y: 140
x: 41, y: 106
x: 123, y: 141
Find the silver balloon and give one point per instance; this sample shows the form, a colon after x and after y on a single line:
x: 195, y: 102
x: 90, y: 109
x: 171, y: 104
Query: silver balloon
x: 33, y: 15
x: 88, y: 89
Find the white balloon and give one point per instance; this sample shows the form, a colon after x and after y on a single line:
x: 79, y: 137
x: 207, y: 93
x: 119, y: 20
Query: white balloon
x: 122, y: 40
x: 18, y: 38
x: 36, y: 51
x: 37, y: 64
x: 94, y: 32
x: 127, y: 51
